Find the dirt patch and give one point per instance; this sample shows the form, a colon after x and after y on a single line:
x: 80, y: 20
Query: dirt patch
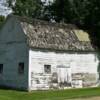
x: 90, y: 98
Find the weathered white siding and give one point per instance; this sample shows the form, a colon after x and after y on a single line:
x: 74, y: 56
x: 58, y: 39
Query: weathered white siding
x: 13, y: 50
x: 75, y: 65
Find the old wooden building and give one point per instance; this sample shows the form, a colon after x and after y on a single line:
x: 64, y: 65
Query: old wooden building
x: 39, y: 55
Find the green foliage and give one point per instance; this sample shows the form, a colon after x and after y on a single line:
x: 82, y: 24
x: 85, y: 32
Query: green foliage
x: 2, y: 18
x: 29, y: 8
x: 56, y: 10
x: 61, y: 9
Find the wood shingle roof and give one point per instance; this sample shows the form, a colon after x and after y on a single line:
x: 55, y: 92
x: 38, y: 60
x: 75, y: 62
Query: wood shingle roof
x: 47, y: 35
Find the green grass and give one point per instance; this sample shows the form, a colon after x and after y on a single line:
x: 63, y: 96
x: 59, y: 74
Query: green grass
x: 48, y: 95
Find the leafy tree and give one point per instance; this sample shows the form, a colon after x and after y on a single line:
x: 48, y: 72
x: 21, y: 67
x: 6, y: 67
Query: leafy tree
x: 2, y: 18
x: 58, y: 10
x: 30, y: 8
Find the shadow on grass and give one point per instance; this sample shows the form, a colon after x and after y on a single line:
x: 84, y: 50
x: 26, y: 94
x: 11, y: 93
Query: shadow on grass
x: 12, y: 88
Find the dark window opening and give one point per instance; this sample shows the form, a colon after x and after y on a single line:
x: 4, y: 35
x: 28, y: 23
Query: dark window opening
x: 47, y: 69
x: 1, y: 68
x: 21, y: 68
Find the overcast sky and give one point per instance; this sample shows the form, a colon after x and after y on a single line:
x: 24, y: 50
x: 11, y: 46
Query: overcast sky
x: 4, y: 10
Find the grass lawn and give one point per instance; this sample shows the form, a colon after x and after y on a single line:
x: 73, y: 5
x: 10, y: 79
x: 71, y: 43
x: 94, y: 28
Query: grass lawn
x: 48, y: 95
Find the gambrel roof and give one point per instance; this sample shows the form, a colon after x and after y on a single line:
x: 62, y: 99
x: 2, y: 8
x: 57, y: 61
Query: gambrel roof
x: 55, y: 36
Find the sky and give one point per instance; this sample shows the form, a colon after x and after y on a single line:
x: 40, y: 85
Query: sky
x: 4, y: 10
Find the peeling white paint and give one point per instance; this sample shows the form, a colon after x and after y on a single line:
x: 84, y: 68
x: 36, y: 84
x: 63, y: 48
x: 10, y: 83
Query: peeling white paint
x: 64, y: 64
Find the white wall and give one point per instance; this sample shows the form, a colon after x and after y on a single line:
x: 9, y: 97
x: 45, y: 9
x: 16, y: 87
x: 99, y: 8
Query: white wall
x: 79, y: 63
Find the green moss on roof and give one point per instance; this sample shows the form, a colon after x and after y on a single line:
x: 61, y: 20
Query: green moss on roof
x: 82, y: 35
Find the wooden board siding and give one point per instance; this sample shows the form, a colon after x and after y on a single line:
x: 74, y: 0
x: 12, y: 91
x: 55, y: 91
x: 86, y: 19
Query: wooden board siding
x: 81, y: 64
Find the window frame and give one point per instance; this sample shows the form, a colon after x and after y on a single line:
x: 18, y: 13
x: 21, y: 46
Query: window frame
x: 21, y: 68
x: 47, y: 69
x: 1, y: 69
